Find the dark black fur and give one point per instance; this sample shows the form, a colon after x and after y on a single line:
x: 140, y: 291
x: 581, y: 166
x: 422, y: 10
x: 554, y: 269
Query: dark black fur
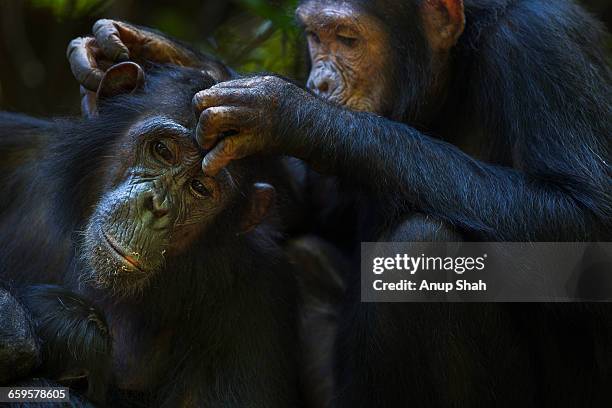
x: 76, y: 343
x: 19, y: 346
x: 224, y: 310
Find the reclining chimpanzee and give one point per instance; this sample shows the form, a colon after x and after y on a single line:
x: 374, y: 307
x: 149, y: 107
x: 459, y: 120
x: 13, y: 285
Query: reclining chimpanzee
x: 135, y: 267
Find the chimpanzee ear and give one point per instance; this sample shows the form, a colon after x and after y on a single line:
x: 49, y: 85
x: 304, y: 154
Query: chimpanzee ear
x: 122, y: 78
x: 261, y: 201
x: 443, y: 21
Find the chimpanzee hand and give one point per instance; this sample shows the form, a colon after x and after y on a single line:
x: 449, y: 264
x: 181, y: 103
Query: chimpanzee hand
x: 75, y: 338
x: 115, y: 41
x: 241, y: 117
x: 19, y: 348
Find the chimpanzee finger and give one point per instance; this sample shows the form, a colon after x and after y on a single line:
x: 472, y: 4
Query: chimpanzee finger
x: 215, y: 121
x: 215, y: 96
x: 241, y: 82
x: 88, y: 102
x: 228, y: 149
x: 82, y: 53
x: 108, y: 38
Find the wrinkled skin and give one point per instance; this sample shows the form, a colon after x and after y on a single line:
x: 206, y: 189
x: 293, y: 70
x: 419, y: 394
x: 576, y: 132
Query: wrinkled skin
x: 249, y: 111
x: 158, y: 202
x: 349, y: 56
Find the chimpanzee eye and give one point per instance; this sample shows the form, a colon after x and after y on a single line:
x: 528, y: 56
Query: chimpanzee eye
x: 313, y: 36
x: 162, y: 152
x: 199, y: 189
x: 348, y: 41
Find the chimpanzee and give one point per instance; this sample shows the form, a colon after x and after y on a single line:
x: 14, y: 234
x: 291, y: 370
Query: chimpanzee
x: 134, y: 245
x: 448, y: 119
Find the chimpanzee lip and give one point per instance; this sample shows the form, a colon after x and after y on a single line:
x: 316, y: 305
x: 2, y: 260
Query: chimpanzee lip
x: 120, y: 251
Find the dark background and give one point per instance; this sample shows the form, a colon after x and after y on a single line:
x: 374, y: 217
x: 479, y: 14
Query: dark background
x: 249, y: 35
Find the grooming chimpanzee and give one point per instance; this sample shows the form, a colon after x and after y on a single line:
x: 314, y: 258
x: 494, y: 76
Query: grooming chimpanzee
x: 180, y: 270
x: 482, y: 120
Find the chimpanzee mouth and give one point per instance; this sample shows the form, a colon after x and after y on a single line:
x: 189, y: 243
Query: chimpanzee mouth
x: 121, y: 253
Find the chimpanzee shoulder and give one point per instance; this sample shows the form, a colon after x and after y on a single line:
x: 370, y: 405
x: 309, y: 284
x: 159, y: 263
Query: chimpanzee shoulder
x: 518, y: 65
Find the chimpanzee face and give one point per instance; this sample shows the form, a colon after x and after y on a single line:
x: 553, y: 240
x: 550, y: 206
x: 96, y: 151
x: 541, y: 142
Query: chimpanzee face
x: 349, y: 54
x: 157, y: 203
x: 379, y: 55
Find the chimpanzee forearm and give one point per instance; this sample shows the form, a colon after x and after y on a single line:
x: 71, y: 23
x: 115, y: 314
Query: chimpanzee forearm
x: 19, y: 346
x: 412, y: 171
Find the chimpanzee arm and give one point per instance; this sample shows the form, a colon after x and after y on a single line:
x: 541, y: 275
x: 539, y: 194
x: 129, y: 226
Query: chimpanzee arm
x: 50, y: 332
x: 410, y: 170
x: 74, y: 336
x: 558, y: 188
x: 19, y: 346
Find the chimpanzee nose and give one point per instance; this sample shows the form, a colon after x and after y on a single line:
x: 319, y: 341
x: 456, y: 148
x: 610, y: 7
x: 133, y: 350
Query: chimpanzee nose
x: 159, y: 205
x: 322, y: 86
x: 319, y: 85
x: 323, y: 79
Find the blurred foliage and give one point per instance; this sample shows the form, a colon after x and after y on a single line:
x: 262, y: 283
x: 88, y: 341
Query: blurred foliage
x: 280, y: 17
x: 259, y: 36
x: 270, y: 42
x: 249, y: 35
x: 63, y: 9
